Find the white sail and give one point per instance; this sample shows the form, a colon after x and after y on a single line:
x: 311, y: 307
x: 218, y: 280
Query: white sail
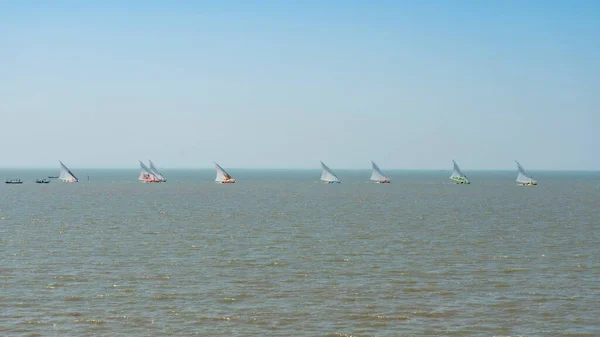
x: 146, y: 174
x: 328, y: 175
x: 222, y: 175
x: 377, y: 175
x: 155, y: 171
x: 523, y: 177
x: 458, y: 176
x: 66, y: 175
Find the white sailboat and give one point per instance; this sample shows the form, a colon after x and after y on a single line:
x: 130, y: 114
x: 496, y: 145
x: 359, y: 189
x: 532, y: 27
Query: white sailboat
x: 66, y: 175
x: 222, y: 176
x: 328, y: 176
x: 523, y: 177
x: 156, y: 173
x: 378, y: 176
x: 458, y: 176
x: 147, y: 175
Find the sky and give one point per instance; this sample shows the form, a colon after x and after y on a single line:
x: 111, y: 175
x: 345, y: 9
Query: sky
x: 284, y: 84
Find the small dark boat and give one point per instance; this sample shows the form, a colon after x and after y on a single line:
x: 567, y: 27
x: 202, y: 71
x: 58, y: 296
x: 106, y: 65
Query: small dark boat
x: 14, y: 181
x: 42, y: 181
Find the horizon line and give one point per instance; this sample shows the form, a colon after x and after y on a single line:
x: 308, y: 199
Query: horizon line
x: 294, y: 168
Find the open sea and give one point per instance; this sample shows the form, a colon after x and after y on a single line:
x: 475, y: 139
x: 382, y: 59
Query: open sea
x: 281, y: 254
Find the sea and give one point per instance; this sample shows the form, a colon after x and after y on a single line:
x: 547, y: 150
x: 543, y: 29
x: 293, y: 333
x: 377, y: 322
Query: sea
x: 281, y: 254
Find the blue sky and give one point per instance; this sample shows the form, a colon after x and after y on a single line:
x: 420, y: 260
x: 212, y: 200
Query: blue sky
x: 277, y: 84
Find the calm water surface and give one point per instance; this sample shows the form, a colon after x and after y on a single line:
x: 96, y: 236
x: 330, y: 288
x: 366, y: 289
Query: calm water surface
x: 280, y: 254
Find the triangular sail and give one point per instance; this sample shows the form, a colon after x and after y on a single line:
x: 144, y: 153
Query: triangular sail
x: 222, y: 175
x: 523, y: 177
x: 377, y: 175
x: 146, y: 174
x: 328, y: 175
x: 155, y: 171
x: 66, y: 175
x: 458, y: 176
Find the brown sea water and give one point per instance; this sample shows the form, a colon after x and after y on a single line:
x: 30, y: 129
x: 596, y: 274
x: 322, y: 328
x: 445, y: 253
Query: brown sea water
x: 281, y: 254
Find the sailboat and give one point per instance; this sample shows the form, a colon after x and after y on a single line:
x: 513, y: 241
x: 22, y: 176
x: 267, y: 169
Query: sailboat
x: 222, y: 176
x: 524, y: 178
x: 66, y: 175
x: 378, y: 176
x: 156, y: 173
x: 328, y: 176
x: 458, y: 176
x: 14, y: 181
x: 147, y: 175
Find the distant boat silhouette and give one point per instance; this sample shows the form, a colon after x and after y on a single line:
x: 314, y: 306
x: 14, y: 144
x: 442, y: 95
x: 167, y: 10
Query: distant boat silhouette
x: 14, y: 181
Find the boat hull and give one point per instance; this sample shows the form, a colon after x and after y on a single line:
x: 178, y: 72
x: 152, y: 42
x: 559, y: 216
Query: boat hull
x: 460, y: 181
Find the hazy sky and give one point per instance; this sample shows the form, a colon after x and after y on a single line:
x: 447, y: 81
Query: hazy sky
x: 284, y: 84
